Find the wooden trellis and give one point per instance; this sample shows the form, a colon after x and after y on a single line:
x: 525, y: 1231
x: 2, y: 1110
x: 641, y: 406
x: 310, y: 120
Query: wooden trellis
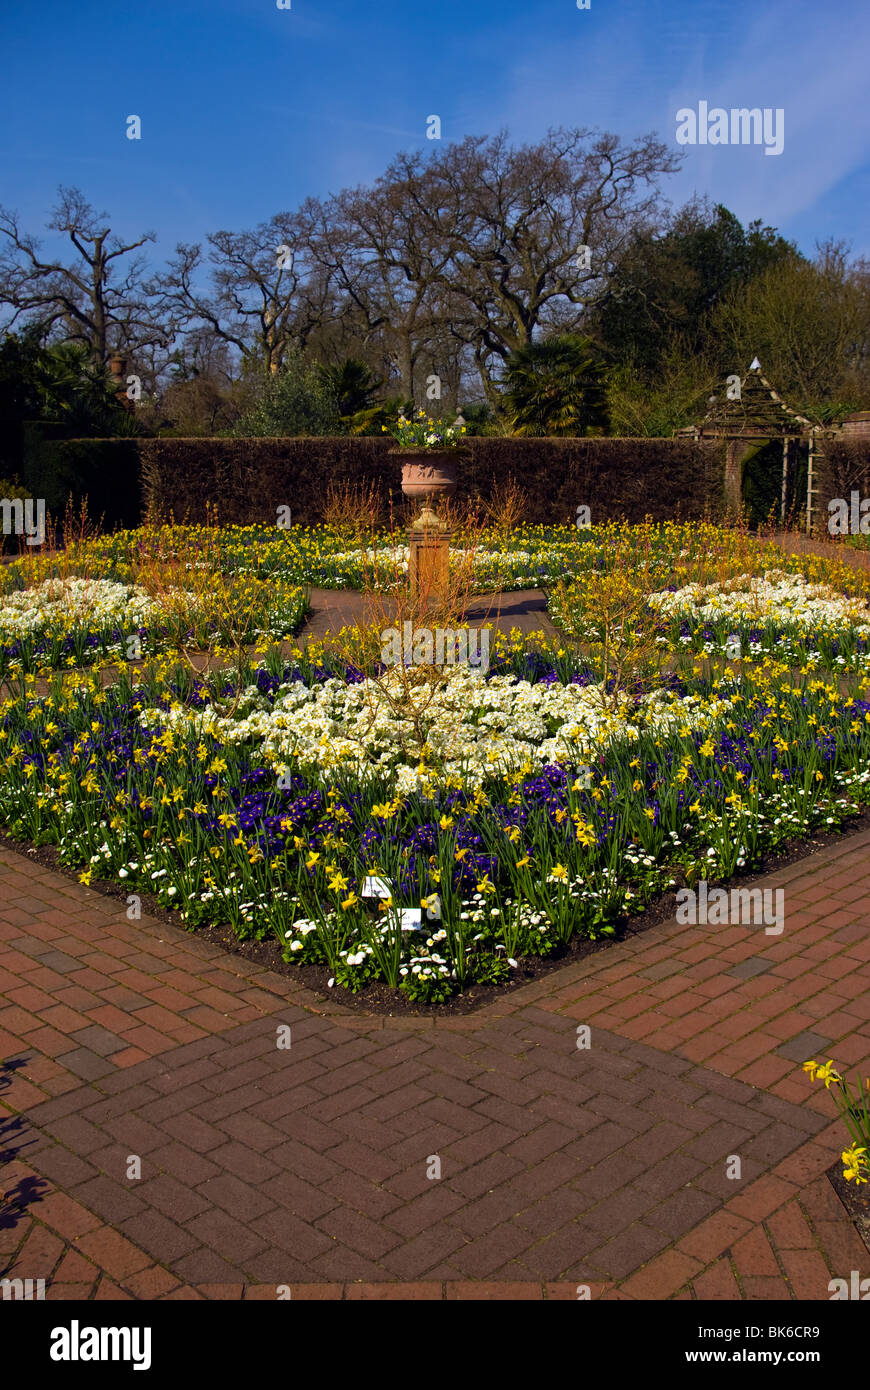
x: 746, y: 417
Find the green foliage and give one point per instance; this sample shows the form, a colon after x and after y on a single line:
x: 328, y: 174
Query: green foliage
x: 102, y: 474
x: 298, y: 400
x: 834, y: 412
x: 556, y: 387
x: 354, y: 386
x: 59, y: 384
x: 667, y: 286
x: 762, y: 481
x: 809, y: 324
x: 675, y: 396
x: 480, y: 420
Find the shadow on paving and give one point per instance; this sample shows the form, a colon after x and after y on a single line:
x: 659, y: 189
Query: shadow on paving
x: 16, y: 1137
x: 313, y: 1164
x: 333, y: 609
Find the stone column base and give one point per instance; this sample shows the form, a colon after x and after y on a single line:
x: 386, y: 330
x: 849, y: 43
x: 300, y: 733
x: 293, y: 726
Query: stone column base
x: 429, y: 565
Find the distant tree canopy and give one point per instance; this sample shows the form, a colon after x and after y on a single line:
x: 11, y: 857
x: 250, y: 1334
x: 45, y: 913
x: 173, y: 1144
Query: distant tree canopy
x: 809, y: 323
x: 668, y: 284
x: 457, y: 280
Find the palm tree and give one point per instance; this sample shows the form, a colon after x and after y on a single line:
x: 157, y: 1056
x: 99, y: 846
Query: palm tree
x: 59, y: 383
x: 354, y: 386
x: 557, y: 386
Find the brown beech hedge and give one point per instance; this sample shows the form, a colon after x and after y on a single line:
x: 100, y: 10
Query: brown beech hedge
x: 247, y: 480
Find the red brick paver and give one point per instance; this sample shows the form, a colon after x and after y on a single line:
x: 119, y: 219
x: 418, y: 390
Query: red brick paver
x: 563, y: 1171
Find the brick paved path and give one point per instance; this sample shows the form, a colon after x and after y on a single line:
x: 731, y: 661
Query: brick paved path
x: 308, y: 1167
x: 333, y: 609
x: 801, y: 544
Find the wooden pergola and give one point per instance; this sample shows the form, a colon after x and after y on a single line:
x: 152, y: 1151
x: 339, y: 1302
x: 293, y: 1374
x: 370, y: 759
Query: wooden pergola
x: 747, y: 413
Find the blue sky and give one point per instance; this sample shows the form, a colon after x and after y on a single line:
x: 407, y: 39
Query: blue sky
x: 247, y: 109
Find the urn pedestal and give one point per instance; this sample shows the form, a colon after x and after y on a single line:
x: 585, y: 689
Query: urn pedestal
x: 428, y: 558
x: 426, y: 475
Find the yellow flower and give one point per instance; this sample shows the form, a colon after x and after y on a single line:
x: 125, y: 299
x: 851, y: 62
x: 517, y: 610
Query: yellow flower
x: 521, y: 863
x: 855, y: 1166
x: 826, y: 1073
x: 311, y: 860
x: 350, y: 901
x: 559, y: 871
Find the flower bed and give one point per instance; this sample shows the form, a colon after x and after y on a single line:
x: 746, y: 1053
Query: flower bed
x: 71, y: 621
x: 432, y: 830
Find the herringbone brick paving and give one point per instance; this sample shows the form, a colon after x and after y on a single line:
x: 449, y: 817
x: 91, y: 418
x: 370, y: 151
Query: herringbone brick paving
x: 308, y: 1167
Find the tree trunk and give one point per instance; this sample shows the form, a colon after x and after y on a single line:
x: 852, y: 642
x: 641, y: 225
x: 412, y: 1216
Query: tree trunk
x: 405, y: 365
x: 98, y: 272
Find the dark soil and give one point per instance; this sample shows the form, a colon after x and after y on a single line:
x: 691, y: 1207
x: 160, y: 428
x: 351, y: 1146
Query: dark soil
x: 379, y: 998
x: 855, y: 1199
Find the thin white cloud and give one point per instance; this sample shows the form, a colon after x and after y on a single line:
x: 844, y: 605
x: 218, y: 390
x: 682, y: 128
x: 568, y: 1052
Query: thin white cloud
x: 821, y: 87
x: 793, y: 54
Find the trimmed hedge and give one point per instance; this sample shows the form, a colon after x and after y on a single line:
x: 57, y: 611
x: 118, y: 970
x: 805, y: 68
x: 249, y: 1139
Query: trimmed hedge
x: 105, y: 471
x: 247, y: 480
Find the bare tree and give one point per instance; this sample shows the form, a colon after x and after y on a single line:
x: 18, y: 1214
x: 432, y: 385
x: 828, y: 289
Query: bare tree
x: 515, y: 224
x: 264, y: 300
x: 383, y: 266
x: 99, y: 299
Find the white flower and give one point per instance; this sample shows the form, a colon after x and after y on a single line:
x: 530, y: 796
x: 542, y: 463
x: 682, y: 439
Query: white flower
x: 473, y: 728
x: 789, y: 600
x: 68, y: 603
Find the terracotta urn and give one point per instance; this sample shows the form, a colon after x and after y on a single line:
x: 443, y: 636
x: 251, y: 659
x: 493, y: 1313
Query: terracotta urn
x: 429, y: 473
